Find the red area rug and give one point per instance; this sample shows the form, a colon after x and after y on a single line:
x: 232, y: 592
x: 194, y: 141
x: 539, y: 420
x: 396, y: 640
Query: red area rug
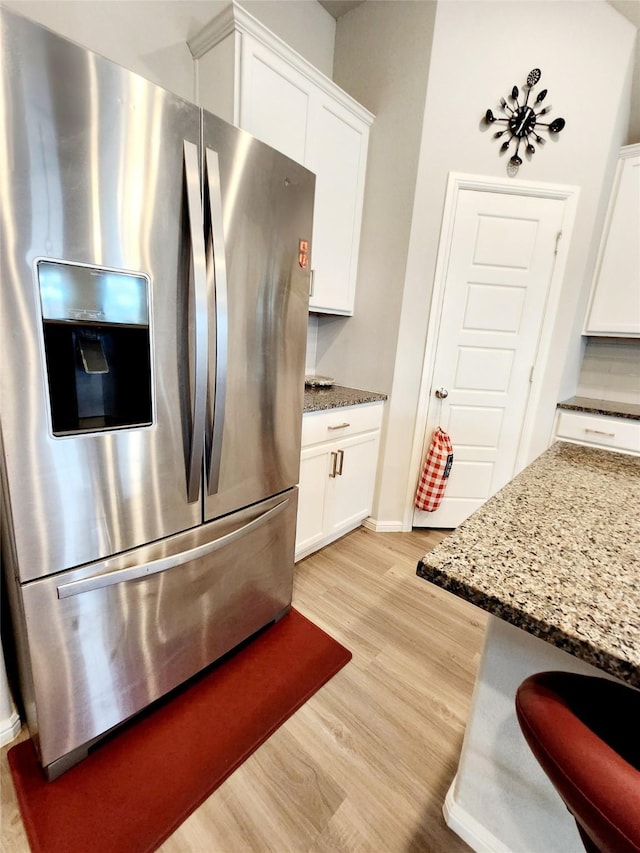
x: 135, y: 789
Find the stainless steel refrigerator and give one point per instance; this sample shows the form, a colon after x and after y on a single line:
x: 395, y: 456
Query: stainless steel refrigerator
x: 154, y: 297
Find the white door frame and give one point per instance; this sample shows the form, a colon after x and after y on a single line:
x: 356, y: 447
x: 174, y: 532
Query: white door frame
x: 458, y: 181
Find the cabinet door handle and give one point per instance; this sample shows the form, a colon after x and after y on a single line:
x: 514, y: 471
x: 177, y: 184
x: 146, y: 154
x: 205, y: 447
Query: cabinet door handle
x: 601, y: 432
x: 312, y: 283
x: 340, y: 463
x: 340, y: 426
x: 334, y: 462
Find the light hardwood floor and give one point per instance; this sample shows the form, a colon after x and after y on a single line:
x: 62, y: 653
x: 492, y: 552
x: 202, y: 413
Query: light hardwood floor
x: 365, y: 764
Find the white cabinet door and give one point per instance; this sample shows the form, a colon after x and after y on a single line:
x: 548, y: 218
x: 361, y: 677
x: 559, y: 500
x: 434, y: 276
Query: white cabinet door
x: 282, y: 108
x: 615, y: 298
x: 314, y: 471
x: 337, y: 154
x: 351, y: 490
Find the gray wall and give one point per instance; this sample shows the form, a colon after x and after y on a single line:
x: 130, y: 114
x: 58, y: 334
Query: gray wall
x: 382, y: 54
x: 150, y: 37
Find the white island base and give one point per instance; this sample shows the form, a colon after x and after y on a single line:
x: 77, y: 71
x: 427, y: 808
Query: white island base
x: 500, y: 801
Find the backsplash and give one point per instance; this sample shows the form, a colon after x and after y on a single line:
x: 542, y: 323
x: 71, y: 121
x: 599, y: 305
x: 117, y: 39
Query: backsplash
x: 611, y: 370
x: 312, y: 346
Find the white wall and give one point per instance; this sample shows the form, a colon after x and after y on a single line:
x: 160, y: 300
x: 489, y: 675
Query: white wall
x: 475, y: 59
x: 610, y: 370
x: 9, y: 719
x: 149, y: 37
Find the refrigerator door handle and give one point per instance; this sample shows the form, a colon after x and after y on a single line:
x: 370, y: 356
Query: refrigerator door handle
x: 199, y: 303
x: 217, y: 273
x: 67, y: 590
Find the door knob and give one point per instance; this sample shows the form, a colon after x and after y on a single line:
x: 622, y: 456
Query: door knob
x: 441, y: 393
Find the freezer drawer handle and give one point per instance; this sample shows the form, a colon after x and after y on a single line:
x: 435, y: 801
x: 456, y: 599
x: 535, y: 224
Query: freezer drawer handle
x: 217, y: 281
x: 67, y: 590
x: 196, y: 234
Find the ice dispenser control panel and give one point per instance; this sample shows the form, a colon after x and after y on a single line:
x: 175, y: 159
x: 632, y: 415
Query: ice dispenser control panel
x: 97, y: 346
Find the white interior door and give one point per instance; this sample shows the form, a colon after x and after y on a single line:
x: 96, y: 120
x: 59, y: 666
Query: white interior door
x: 500, y: 262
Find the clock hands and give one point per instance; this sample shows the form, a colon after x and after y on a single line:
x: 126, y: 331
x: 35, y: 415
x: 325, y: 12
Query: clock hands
x: 527, y: 118
x: 522, y: 119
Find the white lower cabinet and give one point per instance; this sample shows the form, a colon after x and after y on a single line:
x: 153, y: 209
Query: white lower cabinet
x: 595, y: 430
x: 337, y: 473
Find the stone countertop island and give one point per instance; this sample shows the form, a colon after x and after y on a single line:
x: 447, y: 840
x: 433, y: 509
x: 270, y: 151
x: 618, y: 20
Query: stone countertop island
x: 557, y: 553
x: 555, y: 559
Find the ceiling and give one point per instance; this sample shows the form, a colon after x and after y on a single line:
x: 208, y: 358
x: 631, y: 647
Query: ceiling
x: 629, y: 8
x: 338, y: 8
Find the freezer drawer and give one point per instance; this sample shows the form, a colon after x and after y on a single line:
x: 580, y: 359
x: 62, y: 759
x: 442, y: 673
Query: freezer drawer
x: 105, y: 640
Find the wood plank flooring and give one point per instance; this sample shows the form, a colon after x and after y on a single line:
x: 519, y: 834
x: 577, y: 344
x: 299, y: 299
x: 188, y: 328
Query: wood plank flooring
x: 365, y: 764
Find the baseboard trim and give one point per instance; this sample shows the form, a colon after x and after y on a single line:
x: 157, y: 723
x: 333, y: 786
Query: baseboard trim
x: 382, y: 526
x: 468, y: 828
x: 369, y: 523
x: 9, y: 728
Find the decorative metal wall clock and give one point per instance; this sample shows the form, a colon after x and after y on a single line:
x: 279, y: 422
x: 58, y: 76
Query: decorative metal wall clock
x: 522, y: 120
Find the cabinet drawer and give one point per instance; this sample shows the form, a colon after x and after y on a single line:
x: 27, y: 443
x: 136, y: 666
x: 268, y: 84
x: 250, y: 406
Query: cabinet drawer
x: 335, y: 424
x: 601, y: 430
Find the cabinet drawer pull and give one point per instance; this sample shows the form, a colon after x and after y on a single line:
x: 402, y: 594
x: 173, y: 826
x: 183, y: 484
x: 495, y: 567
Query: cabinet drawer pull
x: 341, y: 463
x: 340, y: 426
x: 600, y: 432
x: 334, y: 462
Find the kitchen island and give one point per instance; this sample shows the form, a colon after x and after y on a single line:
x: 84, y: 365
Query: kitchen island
x: 555, y: 558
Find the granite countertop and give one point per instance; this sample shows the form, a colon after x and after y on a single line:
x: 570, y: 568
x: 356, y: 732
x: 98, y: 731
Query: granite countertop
x: 602, y: 407
x: 556, y: 552
x: 316, y: 399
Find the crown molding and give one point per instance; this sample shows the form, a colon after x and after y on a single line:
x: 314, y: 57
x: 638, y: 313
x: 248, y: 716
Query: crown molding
x: 235, y: 19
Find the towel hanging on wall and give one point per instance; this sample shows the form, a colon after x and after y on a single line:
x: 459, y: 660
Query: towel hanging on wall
x: 435, y: 472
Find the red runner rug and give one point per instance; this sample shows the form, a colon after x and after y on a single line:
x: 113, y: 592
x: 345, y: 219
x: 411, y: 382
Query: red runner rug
x: 135, y: 789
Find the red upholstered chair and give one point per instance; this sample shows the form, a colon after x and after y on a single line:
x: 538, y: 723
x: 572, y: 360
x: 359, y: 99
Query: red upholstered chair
x: 585, y: 734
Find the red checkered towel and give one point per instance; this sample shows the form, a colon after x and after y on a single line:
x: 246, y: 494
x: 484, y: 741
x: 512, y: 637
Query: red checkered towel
x: 435, y: 472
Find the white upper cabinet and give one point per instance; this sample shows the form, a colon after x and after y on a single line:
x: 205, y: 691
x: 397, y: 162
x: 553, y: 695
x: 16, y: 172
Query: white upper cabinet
x: 250, y: 77
x: 614, y: 307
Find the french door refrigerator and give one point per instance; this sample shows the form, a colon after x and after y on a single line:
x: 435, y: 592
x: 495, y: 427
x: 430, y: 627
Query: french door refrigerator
x: 154, y: 299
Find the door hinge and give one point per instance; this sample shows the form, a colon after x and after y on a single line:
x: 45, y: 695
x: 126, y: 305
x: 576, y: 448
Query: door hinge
x: 531, y: 374
x: 558, y: 238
